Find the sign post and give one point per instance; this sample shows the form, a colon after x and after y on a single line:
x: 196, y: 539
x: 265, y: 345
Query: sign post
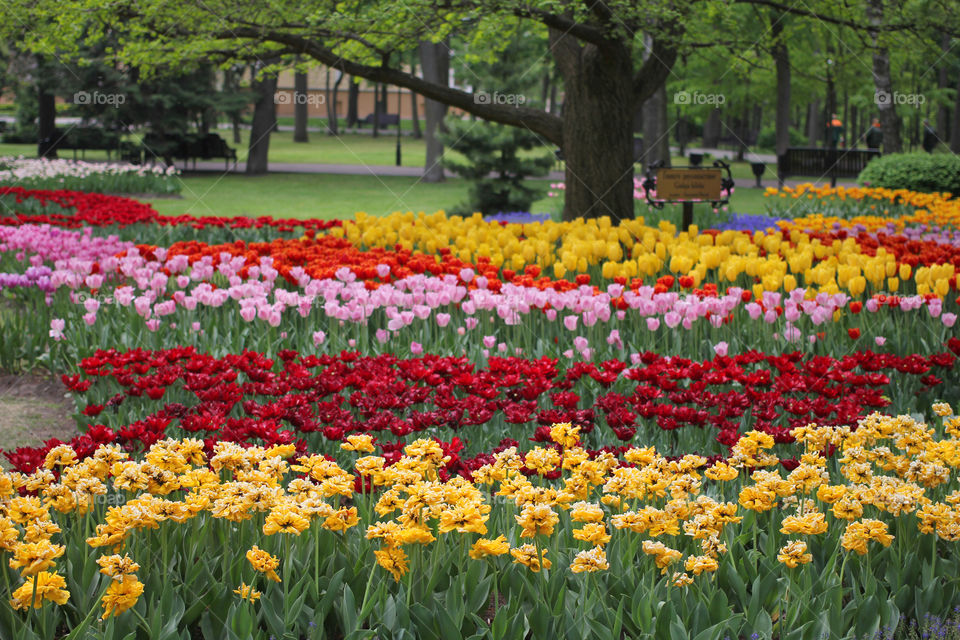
x: 687, y: 186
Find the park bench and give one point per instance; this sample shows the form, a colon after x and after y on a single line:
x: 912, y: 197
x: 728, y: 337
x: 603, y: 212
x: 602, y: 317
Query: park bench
x: 186, y: 148
x: 822, y: 163
x: 386, y: 120
x: 83, y: 139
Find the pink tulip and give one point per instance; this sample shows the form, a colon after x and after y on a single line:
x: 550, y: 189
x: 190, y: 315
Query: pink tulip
x: 570, y: 322
x: 948, y: 319
x: 489, y: 341
x: 721, y: 349
x: 57, y: 326
x: 416, y: 348
x: 653, y: 324
x: 318, y: 338
x: 880, y: 341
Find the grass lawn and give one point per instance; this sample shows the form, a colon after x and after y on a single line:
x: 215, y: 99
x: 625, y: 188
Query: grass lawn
x: 289, y: 195
x: 297, y: 195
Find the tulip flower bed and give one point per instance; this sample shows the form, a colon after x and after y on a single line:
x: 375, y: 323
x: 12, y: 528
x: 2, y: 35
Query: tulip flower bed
x: 261, y: 541
x: 133, y: 220
x: 676, y: 404
x: 440, y: 427
x: 42, y: 173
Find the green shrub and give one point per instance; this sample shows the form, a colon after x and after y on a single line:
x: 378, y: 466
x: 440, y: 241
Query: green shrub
x: 498, y: 159
x: 925, y: 172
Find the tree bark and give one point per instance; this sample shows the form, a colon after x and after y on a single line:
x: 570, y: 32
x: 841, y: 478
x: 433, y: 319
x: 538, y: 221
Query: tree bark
x: 434, y: 66
x: 353, y: 98
x: 781, y: 59
x: 377, y: 110
x: 882, y: 82
x: 415, y: 116
x: 333, y: 124
x: 597, y: 127
x: 711, y: 129
x: 815, y: 128
x: 300, y: 106
x: 955, y: 121
x: 656, y: 139
x: 944, y: 129
x: 46, y: 118
x: 264, y: 119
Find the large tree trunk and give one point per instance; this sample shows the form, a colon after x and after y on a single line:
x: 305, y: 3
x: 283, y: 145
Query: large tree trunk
x: 46, y: 119
x: 353, y: 98
x: 943, y: 112
x: 300, y: 106
x: 264, y: 119
x: 711, y: 129
x: 598, y: 111
x: 815, y: 128
x: 883, y: 84
x: 781, y: 59
x: 377, y: 110
x: 333, y: 125
x: 417, y: 132
x: 955, y: 121
x: 435, y: 67
x: 656, y: 138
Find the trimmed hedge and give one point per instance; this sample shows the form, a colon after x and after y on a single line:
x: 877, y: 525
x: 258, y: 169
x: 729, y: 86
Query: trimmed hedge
x: 925, y: 172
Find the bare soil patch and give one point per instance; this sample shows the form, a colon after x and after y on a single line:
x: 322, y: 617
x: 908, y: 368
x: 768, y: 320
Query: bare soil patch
x: 33, y: 409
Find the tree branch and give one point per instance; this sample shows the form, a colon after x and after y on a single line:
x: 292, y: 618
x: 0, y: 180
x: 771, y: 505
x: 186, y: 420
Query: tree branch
x: 655, y: 70
x: 547, y: 125
x: 807, y: 13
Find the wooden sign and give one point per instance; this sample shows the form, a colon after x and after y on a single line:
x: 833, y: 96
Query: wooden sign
x: 689, y: 185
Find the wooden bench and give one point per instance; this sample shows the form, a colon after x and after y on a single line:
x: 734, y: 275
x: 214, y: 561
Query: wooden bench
x: 386, y: 120
x: 192, y: 147
x: 83, y: 139
x: 821, y: 163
